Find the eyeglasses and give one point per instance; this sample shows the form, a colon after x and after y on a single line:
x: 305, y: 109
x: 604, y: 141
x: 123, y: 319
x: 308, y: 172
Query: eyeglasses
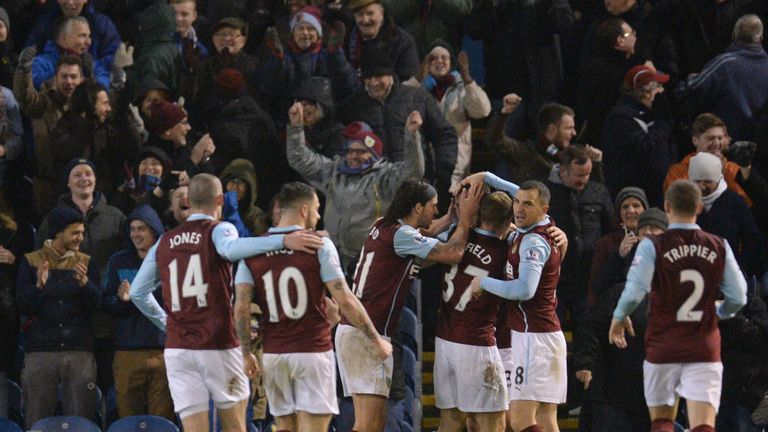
x: 357, y: 151
x: 227, y: 35
x: 633, y: 32
x: 439, y: 57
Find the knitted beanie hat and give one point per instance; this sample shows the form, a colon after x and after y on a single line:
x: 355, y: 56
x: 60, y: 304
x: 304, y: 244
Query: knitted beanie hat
x: 654, y: 216
x: 360, y: 132
x: 631, y: 192
x: 62, y: 217
x: 165, y: 115
x: 705, y: 166
x: 310, y: 15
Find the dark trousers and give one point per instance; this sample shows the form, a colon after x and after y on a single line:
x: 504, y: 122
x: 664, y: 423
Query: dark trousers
x: 43, y: 372
x: 610, y: 418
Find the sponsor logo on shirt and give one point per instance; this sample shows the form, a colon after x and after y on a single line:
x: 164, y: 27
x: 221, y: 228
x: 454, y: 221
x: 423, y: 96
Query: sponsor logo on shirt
x: 533, y: 255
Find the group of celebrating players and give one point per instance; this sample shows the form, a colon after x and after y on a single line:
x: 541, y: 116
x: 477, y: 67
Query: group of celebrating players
x: 500, y: 354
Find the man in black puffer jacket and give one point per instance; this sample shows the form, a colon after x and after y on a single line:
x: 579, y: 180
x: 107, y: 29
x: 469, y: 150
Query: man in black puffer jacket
x: 385, y: 104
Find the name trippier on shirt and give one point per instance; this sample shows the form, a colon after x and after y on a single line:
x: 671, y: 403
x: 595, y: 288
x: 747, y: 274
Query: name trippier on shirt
x: 692, y: 250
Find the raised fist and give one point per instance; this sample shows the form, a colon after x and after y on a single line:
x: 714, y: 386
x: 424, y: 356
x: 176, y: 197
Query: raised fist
x: 414, y: 122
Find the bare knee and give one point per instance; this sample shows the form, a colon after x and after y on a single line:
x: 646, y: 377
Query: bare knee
x: 370, y: 413
x: 197, y: 422
x: 546, y: 417
x: 453, y: 420
x: 492, y: 422
x: 312, y: 422
x: 233, y: 418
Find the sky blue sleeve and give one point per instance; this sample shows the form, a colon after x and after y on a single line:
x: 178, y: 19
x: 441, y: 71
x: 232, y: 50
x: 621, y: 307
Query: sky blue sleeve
x: 409, y: 241
x: 639, y: 278
x: 734, y: 286
x: 243, y: 275
x: 330, y: 266
x: 444, y: 236
x: 497, y: 182
x: 534, y: 253
x: 231, y: 247
x: 143, y: 286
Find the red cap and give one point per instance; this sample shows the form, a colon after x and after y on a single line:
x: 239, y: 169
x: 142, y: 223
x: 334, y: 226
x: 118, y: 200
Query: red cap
x: 641, y: 75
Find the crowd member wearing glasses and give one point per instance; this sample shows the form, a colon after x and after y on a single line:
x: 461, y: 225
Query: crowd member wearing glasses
x: 308, y: 53
x: 359, y: 184
x: 600, y: 79
x: 229, y: 38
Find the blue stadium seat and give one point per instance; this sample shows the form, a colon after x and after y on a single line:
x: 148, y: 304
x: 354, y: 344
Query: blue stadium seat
x: 407, y: 341
x: 18, y: 361
x: 15, y: 403
x: 7, y: 425
x: 405, y: 427
x: 143, y: 423
x: 411, y: 303
x: 409, y: 366
x: 65, y: 424
x: 410, y: 382
x: 408, y: 323
x: 109, y: 408
x: 98, y: 415
x: 409, y: 406
x: 408, y: 329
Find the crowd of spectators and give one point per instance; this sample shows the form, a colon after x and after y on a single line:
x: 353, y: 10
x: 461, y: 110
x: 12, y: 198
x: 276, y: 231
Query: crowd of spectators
x: 108, y: 108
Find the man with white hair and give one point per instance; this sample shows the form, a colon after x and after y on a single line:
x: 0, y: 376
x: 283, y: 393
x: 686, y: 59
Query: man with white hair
x: 726, y: 214
x: 733, y: 85
x: 71, y: 36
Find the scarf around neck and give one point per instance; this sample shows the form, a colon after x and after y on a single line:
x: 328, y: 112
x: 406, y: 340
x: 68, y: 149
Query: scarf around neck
x: 438, y: 86
x: 710, y: 199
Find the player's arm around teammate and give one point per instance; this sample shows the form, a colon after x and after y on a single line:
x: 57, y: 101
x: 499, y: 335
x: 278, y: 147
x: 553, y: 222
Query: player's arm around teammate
x: 229, y: 246
x: 452, y: 251
x: 490, y: 179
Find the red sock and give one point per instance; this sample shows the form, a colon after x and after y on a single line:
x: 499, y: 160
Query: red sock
x: 662, y: 425
x: 532, y: 428
x: 703, y: 428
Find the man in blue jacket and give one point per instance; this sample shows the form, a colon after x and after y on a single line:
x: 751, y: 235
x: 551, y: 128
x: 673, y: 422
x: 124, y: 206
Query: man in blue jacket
x: 71, y: 36
x: 104, y: 36
x: 139, y: 368
x: 733, y: 85
x: 56, y: 293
